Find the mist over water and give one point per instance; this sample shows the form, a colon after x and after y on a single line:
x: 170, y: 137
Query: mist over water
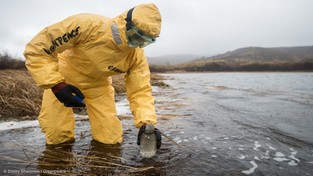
x: 224, y: 124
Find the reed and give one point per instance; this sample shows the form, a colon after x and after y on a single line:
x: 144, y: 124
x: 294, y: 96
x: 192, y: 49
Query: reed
x: 20, y: 97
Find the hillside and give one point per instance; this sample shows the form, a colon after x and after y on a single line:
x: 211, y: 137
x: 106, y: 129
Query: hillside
x: 252, y: 59
x: 258, y: 54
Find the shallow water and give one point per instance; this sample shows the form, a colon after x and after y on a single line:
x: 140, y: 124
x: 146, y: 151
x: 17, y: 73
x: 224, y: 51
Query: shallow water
x: 224, y: 124
x: 246, y: 123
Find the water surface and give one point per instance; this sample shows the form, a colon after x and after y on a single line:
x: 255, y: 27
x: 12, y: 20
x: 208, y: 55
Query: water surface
x: 224, y: 124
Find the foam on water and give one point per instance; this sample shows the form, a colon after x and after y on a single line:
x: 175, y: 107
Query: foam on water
x: 293, y: 155
x: 279, y: 154
x: 270, y: 147
x: 281, y: 159
x: 241, y: 157
x: 292, y: 163
x: 256, y: 158
x: 256, y: 145
x: 251, y: 170
x: 267, y: 152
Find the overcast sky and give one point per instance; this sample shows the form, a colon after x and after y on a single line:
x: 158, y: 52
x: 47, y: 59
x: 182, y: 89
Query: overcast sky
x: 199, y: 27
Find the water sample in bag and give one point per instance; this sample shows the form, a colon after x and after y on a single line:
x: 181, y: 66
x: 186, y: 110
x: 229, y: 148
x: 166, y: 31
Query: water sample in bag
x: 148, y: 142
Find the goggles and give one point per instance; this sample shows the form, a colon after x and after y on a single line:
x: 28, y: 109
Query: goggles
x: 136, y: 38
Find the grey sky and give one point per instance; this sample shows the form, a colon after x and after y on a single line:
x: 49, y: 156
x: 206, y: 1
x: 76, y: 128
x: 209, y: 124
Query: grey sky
x: 200, y: 27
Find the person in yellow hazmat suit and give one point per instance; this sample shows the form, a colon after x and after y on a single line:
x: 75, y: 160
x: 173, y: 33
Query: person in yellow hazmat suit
x: 73, y: 61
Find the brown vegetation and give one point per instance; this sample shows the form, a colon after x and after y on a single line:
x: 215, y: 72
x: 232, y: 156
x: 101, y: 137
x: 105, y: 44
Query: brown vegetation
x: 223, y: 65
x: 157, y: 80
x: 20, y: 97
x: 7, y: 62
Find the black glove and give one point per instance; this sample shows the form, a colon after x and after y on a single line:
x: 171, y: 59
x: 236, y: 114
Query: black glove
x: 69, y: 95
x: 157, y: 134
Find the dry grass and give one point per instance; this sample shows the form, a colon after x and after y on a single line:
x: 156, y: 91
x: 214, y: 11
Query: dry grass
x: 119, y: 84
x: 157, y: 80
x: 21, y: 98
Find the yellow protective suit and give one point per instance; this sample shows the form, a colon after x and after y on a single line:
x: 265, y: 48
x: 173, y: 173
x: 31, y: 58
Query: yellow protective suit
x: 85, y: 50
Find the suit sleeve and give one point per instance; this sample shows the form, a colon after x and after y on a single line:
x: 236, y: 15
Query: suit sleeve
x: 41, y: 52
x: 139, y: 91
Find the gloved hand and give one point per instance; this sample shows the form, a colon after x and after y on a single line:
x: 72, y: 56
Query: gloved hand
x: 69, y: 95
x: 157, y: 134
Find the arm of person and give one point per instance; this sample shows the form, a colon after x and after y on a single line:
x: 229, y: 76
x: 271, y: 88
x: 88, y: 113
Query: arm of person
x: 41, y: 52
x: 139, y: 91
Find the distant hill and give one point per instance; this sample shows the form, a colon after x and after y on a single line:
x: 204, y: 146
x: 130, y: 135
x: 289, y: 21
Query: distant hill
x: 258, y: 54
x: 251, y: 59
x: 171, y: 59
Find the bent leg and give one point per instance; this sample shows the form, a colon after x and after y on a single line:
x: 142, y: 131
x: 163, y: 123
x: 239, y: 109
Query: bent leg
x: 56, y: 121
x: 105, y: 126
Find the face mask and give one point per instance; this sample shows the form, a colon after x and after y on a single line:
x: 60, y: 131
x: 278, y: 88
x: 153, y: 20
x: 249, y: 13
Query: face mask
x: 136, y: 38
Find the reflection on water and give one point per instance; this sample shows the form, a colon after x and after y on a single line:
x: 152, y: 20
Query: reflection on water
x: 222, y: 123
x: 98, y: 159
